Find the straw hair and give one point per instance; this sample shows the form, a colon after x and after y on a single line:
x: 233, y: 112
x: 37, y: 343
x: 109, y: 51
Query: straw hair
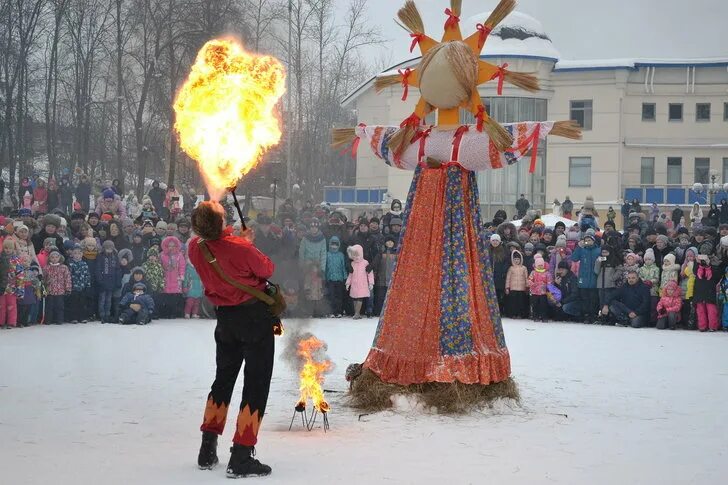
x: 566, y: 129
x: 498, y: 135
x: 456, y: 7
x: 411, y: 18
x: 340, y: 137
x: 523, y: 80
x: 401, y: 139
x: 501, y: 11
x: 370, y: 393
x: 383, y: 82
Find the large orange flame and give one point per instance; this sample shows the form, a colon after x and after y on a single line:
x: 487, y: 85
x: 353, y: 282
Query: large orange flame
x: 312, y: 373
x: 225, y: 111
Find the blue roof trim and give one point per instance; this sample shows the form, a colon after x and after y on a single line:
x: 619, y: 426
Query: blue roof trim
x: 599, y: 68
x: 517, y: 56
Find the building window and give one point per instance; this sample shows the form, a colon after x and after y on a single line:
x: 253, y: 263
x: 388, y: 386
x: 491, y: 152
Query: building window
x: 725, y: 111
x: 647, y: 171
x: 702, y: 170
x: 725, y: 170
x: 579, y: 171
x: 676, y: 112
x: 649, y: 111
x: 702, y: 112
x: 581, y: 112
x: 674, y: 170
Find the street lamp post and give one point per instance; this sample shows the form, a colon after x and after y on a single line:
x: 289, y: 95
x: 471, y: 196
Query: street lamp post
x: 274, y: 187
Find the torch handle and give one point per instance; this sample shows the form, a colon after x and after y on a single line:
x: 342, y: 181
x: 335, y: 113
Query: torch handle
x: 240, y: 211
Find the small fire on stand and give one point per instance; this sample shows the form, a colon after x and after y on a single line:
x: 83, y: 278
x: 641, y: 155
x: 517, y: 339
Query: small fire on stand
x: 311, y: 378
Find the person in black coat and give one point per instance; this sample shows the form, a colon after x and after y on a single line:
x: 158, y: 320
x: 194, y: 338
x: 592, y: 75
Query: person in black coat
x: 569, y: 308
x: 713, y: 216
x: 500, y: 258
x: 630, y: 304
x: 710, y: 270
x: 723, y: 211
x: 157, y: 195
x: 83, y: 193
x: 50, y: 225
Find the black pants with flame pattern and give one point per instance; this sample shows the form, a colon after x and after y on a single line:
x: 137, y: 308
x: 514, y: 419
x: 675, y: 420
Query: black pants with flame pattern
x: 244, y: 334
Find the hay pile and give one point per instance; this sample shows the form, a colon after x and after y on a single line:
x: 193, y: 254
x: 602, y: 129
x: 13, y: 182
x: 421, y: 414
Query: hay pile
x: 369, y: 393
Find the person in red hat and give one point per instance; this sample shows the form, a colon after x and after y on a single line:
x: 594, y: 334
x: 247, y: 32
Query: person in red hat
x: 244, y: 332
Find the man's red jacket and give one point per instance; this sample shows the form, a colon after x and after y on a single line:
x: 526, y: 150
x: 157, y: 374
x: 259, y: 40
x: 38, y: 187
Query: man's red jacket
x: 239, y: 259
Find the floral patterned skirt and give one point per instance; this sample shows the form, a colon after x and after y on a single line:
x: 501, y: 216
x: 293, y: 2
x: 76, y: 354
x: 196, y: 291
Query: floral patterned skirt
x: 440, y: 321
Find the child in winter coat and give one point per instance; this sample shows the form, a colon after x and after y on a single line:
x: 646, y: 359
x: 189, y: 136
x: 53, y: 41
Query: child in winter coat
x: 360, y: 281
x: 704, y: 297
x: 609, y: 272
x: 173, y: 265
x: 49, y: 244
x: 687, y: 285
x: 313, y: 287
x: 80, y: 283
x: 335, y: 277
x: 57, y: 278
x: 724, y: 299
x: 137, y: 276
x: 193, y: 292
x: 517, y: 288
x: 383, y: 270
x: 538, y: 281
x: 125, y: 259
x: 137, y: 307
x: 650, y: 275
x: 631, y: 263
x: 29, y: 305
x: 138, y: 250
x: 668, y: 309
x: 108, y: 278
x: 153, y: 273
x: 670, y: 271
x: 15, y: 286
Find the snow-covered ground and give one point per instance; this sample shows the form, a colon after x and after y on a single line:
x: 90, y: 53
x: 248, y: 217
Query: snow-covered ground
x: 90, y: 404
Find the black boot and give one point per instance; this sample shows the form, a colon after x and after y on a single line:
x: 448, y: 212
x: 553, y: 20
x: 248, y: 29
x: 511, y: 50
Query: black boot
x: 207, y: 458
x: 242, y: 463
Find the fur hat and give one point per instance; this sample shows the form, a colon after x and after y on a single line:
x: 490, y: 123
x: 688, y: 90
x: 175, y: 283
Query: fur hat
x: 649, y: 255
x: 108, y: 244
x: 162, y: 225
x: 663, y: 239
x: 126, y: 254
x: 528, y: 247
x: 51, y: 220
x: 561, y: 241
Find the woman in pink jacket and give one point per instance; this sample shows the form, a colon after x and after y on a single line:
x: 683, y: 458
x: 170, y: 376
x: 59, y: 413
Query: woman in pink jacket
x: 538, y: 283
x: 360, y: 281
x: 670, y: 306
x: 174, y: 266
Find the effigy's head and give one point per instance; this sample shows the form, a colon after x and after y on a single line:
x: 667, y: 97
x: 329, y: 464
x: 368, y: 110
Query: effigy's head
x: 448, y: 75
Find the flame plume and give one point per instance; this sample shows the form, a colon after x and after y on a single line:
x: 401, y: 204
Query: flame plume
x: 312, y: 373
x: 225, y: 111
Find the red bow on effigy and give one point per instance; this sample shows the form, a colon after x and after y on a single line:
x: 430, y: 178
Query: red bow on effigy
x: 480, y: 117
x: 501, y: 75
x: 416, y: 39
x: 452, y: 19
x: 405, y: 83
x: 483, y: 33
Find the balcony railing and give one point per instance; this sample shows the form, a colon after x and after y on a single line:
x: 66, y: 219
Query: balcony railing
x: 355, y: 195
x: 672, y: 195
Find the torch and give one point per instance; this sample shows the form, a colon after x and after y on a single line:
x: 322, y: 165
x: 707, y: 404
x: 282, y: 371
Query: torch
x: 225, y: 113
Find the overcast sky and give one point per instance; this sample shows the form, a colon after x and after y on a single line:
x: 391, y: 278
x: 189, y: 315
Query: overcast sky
x: 583, y: 29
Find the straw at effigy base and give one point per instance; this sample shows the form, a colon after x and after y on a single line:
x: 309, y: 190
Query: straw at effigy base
x: 340, y: 137
x: 383, y: 82
x: 370, y: 393
x: 411, y: 18
x: 523, y: 80
x: 498, y: 135
x: 501, y: 11
x: 566, y: 129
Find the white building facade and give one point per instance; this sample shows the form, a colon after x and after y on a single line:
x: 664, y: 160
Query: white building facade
x: 652, y: 128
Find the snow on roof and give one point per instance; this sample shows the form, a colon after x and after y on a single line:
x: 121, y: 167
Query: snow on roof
x: 506, y: 39
x: 635, y: 63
